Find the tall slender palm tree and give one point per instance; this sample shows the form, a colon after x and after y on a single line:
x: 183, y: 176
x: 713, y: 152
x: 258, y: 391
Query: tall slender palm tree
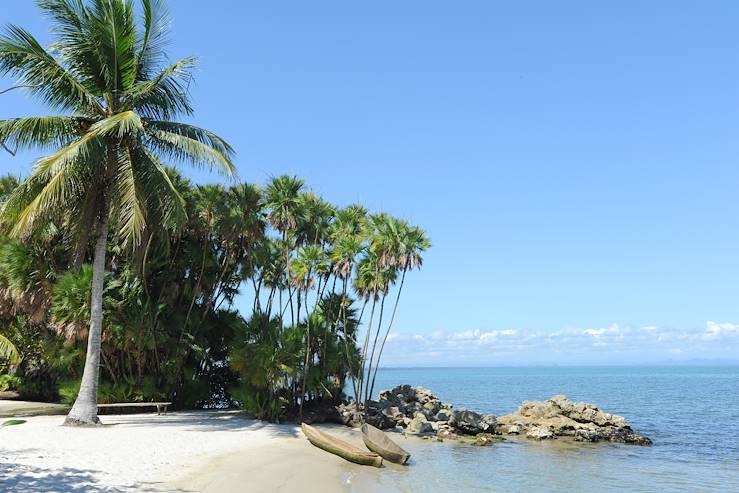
x: 104, y: 73
x: 282, y: 199
x: 311, y: 261
x: 412, y: 242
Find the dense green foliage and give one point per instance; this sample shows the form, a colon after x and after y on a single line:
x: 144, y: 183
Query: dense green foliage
x: 113, y: 265
x: 305, y: 273
x: 119, y: 101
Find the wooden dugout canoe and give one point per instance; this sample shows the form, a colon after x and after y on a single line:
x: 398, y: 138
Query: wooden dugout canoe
x: 377, y: 441
x: 339, y: 447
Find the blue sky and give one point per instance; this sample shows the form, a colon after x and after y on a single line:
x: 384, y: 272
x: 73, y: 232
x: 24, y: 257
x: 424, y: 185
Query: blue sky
x: 575, y: 163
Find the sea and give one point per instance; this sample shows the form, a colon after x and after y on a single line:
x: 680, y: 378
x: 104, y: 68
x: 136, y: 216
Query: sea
x: 690, y: 412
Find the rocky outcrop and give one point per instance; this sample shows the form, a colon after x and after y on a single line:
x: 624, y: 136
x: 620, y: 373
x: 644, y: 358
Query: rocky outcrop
x: 560, y: 417
x: 417, y: 411
x: 420, y: 412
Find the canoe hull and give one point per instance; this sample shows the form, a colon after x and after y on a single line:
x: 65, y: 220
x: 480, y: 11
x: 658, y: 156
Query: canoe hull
x: 339, y: 447
x: 377, y: 441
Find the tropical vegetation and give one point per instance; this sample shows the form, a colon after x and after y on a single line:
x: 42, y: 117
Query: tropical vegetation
x: 305, y: 273
x: 105, y: 72
x: 121, y: 280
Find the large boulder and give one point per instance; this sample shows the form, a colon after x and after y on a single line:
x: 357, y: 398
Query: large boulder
x: 419, y: 424
x: 472, y: 423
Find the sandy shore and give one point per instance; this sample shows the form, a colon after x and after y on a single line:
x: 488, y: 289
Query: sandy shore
x: 207, y: 451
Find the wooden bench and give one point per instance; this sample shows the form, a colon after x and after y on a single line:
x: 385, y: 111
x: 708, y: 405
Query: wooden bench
x: 161, y: 406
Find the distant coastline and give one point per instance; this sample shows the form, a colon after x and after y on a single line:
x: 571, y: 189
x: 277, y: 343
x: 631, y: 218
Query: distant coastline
x: 687, y: 363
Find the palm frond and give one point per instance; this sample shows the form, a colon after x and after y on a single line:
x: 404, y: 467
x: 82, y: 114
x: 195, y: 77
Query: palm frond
x: 165, y: 95
x: 113, y: 35
x: 23, y: 57
x: 68, y: 182
x: 120, y: 125
x: 8, y: 351
x: 77, y: 150
x: 75, y: 42
x: 154, y: 38
x: 162, y: 196
x: 182, y: 147
x: 196, y: 133
x: 40, y: 132
x: 131, y: 207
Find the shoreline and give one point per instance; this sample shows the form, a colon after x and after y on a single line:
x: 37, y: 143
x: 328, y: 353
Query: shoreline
x: 287, y: 464
x: 203, y: 451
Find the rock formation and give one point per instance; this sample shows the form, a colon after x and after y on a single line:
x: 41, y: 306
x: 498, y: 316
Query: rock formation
x: 560, y: 417
x: 417, y: 411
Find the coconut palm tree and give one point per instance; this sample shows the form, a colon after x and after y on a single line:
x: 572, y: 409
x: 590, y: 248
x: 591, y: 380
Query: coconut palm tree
x: 104, y: 73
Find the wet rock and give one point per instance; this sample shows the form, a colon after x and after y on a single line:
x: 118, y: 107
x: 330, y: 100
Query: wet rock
x: 446, y: 433
x: 513, y: 429
x: 419, y: 424
x: 539, y: 433
x: 485, y: 439
x: 472, y: 423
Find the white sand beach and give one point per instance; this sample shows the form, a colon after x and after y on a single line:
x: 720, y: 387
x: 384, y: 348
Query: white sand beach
x: 208, y: 451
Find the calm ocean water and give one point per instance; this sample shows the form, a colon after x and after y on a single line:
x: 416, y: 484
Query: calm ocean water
x: 691, y: 413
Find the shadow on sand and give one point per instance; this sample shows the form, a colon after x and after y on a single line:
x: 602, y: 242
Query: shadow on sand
x: 28, y: 479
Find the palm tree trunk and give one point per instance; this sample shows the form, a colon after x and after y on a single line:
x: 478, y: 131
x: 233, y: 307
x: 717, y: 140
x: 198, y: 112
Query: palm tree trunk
x: 367, y: 395
x: 387, y: 332
x: 84, y: 410
x: 308, y: 356
x: 365, y: 346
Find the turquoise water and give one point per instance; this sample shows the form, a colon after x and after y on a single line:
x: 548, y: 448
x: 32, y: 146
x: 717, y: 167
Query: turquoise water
x: 691, y: 413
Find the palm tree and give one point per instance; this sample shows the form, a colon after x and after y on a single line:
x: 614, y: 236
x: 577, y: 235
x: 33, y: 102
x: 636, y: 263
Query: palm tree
x: 282, y: 199
x: 412, y: 243
x: 104, y: 72
x: 312, y: 260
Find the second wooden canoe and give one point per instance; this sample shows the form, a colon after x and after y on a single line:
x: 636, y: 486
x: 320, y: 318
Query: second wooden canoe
x: 377, y: 441
x: 339, y: 447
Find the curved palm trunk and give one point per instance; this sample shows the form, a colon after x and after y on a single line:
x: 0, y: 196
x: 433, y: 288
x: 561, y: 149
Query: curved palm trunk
x: 84, y: 410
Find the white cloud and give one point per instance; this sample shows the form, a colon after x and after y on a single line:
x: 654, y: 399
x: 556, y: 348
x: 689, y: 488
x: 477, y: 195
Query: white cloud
x: 611, y: 344
x: 715, y: 331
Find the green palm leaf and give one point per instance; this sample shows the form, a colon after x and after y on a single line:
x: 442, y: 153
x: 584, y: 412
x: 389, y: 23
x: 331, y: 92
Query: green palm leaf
x: 39, y: 131
x: 166, y: 95
x: 131, y: 207
x: 21, y: 56
x: 12, y: 422
x: 182, y: 147
x: 8, y: 351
